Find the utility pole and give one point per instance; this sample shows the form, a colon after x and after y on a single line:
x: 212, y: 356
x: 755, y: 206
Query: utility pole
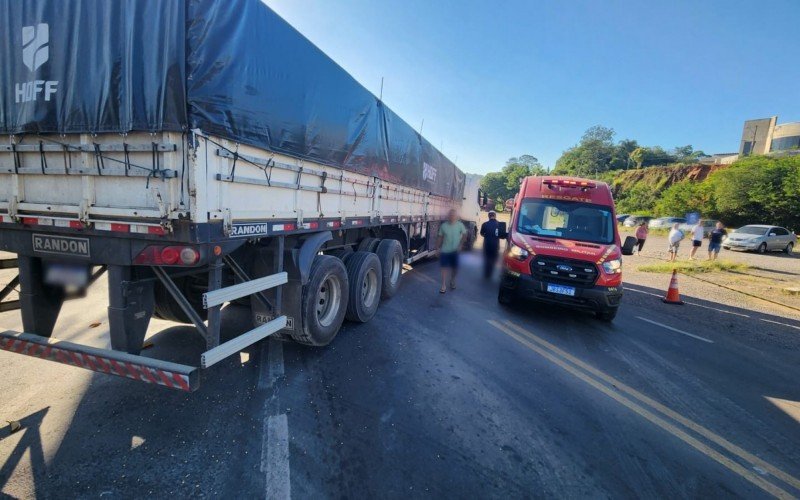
x: 380, y: 98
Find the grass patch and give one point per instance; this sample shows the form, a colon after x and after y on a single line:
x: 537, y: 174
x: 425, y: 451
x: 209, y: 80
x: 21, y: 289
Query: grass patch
x: 694, y: 267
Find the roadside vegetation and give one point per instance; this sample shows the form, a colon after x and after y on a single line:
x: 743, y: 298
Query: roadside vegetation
x: 659, y: 182
x: 694, y: 267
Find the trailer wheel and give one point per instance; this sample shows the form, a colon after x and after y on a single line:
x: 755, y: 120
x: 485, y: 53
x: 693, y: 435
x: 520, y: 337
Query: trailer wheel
x: 365, y: 277
x: 167, y: 308
x: 324, y: 302
x: 342, y: 253
x: 390, y: 253
x: 368, y: 244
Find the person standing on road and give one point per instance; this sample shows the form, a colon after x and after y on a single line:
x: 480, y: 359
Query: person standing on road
x: 675, y: 237
x: 641, y: 236
x: 715, y: 241
x: 452, y: 234
x: 490, y: 231
x: 697, y: 239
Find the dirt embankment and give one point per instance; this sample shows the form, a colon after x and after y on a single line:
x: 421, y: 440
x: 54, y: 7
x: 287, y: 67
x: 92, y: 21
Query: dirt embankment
x: 661, y: 177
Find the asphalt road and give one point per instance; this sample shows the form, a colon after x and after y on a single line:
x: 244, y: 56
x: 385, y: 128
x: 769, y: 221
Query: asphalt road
x: 438, y: 396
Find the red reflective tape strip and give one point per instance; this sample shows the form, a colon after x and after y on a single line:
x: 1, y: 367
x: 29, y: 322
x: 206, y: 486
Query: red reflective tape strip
x: 180, y: 380
x: 46, y: 352
x: 21, y: 346
x: 75, y: 358
x: 118, y: 369
x: 88, y: 360
x: 132, y: 369
x: 149, y: 375
x: 164, y: 378
x: 61, y: 357
x: 101, y: 363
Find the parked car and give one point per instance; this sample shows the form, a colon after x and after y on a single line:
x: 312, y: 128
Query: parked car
x: 665, y: 222
x: 708, y: 226
x: 621, y: 218
x: 761, y: 238
x: 635, y: 220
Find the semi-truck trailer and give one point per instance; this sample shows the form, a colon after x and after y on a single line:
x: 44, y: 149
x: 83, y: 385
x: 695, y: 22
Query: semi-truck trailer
x: 200, y: 152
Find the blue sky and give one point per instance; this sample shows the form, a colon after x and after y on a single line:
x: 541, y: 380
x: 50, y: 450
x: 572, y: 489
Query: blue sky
x: 499, y: 79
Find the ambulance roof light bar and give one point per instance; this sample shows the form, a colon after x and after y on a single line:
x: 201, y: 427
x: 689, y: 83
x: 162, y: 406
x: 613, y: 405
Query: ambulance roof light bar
x: 569, y: 183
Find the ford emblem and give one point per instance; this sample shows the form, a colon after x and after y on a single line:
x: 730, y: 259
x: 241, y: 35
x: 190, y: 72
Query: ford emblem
x: 564, y: 267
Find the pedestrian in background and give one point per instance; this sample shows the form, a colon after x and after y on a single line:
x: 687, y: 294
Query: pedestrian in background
x: 452, y: 234
x: 641, y: 236
x: 715, y: 240
x: 697, y: 239
x: 490, y: 231
x: 675, y: 237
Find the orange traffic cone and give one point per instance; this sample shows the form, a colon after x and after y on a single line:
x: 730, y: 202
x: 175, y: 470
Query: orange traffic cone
x: 673, y: 296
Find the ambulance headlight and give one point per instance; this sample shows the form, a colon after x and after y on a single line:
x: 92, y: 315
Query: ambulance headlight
x: 516, y: 252
x: 612, y: 266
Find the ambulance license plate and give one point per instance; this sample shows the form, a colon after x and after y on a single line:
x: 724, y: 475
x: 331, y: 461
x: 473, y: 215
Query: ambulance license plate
x: 561, y: 290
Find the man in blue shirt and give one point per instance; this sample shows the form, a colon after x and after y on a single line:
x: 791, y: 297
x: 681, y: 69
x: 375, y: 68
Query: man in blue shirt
x: 490, y: 230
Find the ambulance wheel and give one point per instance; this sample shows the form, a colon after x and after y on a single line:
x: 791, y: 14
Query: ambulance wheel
x: 505, y: 296
x: 323, y: 302
x: 365, y: 276
x: 607, y: 315
x: 390, y: 253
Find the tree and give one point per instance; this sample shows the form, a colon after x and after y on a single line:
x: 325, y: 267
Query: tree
x: 504, y: 184
x: 591, y: 156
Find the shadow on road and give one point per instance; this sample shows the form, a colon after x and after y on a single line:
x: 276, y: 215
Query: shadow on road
x: 128, y: 438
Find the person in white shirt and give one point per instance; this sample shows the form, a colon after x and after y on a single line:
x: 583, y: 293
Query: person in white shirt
x: 697, y: 239
x: 675, y: 237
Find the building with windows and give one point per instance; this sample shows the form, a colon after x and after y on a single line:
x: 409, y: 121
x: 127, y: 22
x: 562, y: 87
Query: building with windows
x: 766, y: 136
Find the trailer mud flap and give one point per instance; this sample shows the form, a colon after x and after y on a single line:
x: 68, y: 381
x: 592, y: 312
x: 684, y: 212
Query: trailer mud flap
x: 148, y: 370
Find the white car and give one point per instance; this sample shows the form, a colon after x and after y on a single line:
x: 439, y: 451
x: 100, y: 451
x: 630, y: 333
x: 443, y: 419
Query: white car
x: 761, y: 238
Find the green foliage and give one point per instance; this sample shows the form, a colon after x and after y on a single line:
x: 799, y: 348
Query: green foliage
x: 503, y: 185
x: 694, y: 267
x: 683, y: 198
x: 639, y: 198
x: 597, y: 153
x: 758, y: 189
x: 755, y: 189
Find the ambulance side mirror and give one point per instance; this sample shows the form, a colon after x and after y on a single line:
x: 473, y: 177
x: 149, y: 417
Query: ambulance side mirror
x: 502, y: 231
x: 627, y: 247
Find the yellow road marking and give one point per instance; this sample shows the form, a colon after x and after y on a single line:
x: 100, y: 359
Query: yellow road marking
x: 648, y: 415
x: 719, y: 440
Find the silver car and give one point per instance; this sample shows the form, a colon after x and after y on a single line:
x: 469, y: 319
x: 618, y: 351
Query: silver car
x: 665, y: 222
x: 761, y: 238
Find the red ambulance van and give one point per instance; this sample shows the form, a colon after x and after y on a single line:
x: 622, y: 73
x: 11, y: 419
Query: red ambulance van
x: 563, y: 246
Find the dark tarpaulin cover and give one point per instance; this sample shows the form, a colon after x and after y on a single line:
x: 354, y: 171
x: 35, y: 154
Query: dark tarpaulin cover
x: 232, y: 68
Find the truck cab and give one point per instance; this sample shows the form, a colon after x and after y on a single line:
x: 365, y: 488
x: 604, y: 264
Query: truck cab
x: 563, y: 246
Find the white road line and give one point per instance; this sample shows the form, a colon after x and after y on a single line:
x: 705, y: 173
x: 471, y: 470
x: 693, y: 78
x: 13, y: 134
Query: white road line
x: 675, y: 329
x: 628, y: 289
x: 779, y: 323
x: 275, y: 458
x: 275, y: 359
x: 275, y: 432
x: 271, y: 370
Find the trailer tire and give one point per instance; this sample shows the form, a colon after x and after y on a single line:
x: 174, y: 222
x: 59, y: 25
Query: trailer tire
x: 390, y: 254
x: 167, y: 308
x: 342, y: 253
x: 368, y: 244
x: 324, y: 302
x: 365, y: 277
